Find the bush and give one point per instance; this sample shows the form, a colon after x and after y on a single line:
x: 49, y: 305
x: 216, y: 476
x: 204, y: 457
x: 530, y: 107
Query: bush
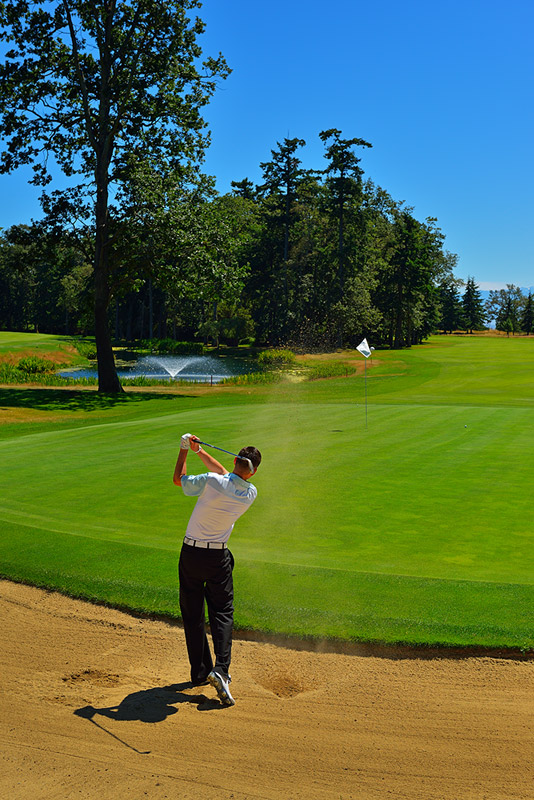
x: 86, y: 349
x: 33, y: 365
x: 171, y: 347
x: 61, y: 381
x: 251, y: 378
x: 334, y: 369
x: 271, y: 359
x: 143, y: 380
x: 10, y: 374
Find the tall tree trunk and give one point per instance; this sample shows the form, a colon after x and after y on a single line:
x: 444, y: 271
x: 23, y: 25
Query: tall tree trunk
x: 150, y: 311
x: 141, y: 322
x: 215, y: 313
x: 286, y: 248
x: 129, y: 320
x: 340, y: 264
x: 341, y: 255
x: 390, y: 335
x: 117, y: 320
x: 398, y: 343
x: 108, y: 380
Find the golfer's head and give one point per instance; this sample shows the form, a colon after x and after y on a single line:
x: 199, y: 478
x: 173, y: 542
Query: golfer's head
x: 246, y: 455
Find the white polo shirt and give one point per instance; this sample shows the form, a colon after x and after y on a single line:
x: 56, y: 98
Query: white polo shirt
x: 222, y: 499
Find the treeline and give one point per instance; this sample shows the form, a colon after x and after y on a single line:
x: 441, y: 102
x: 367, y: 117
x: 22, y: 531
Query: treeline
x: 316, y: 259
x: 510, y: 310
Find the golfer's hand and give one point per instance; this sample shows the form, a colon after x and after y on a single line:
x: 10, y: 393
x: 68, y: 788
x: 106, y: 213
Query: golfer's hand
x: 184, y: 441
x: 193, y: 443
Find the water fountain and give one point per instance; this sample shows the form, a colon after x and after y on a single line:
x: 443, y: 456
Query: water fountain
x: 201, y: 369
x: 182, y: 367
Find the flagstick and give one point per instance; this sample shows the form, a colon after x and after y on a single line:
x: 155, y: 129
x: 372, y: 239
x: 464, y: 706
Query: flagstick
x: 365, y: 382
x: 366, y: 351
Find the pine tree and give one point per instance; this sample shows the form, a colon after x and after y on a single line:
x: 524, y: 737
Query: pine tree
x: 451, y: 305
x: 473, y: 307
x: 527, y: 315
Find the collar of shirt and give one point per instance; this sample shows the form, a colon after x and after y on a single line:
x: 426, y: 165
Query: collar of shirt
x: 236, y: 479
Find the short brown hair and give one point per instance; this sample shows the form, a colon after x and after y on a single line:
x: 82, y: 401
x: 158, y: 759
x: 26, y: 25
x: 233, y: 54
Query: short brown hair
x: 253, y: 455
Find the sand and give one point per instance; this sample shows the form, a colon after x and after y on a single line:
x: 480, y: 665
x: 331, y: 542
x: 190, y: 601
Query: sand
x: 94, y: 703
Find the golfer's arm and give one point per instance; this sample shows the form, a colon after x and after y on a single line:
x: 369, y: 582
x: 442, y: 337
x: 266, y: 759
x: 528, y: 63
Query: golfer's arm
x: 211, y: 463
x: 180, y: 468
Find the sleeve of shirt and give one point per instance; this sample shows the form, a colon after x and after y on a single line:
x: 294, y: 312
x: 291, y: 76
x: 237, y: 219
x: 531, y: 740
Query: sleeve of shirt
x: 193, y: 485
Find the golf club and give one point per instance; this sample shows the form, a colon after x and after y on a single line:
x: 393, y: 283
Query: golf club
x: 214, y: 446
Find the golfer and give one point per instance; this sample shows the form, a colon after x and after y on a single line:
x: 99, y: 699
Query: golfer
x: 206, y: 563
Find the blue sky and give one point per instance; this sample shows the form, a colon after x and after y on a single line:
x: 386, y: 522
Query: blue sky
x: 443, y: 91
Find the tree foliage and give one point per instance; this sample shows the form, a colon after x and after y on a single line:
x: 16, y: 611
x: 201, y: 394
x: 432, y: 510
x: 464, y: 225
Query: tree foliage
x: 527, y: 315
x: 474, y: 314
x: 315, y: 259
x: 504, y: 305
x: 100, y: 86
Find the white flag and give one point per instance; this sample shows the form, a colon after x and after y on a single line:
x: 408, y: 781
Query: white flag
x: 364, y: 348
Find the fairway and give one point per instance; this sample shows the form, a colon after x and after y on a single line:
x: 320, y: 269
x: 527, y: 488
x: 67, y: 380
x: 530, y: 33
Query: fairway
x: 14, y: 342
x: 416, y: 528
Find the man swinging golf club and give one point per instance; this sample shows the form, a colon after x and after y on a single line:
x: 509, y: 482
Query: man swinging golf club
x: 206, y: 563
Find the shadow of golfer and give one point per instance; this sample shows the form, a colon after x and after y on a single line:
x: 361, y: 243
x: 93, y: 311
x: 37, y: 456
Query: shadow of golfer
x: 148, y: 705
x: 151, y: 705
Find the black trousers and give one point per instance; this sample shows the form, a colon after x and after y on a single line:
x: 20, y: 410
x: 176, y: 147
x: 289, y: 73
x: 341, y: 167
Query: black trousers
x: 206, y: 577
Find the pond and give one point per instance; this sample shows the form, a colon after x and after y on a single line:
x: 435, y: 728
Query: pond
x: 200, y: 369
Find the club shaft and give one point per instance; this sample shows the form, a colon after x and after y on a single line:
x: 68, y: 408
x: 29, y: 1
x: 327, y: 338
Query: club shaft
x: 207, y: 444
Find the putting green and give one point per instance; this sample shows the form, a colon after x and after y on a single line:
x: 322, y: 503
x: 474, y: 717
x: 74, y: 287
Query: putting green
x: 416, y: 528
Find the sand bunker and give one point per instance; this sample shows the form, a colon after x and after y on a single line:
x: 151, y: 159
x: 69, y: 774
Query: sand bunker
x: 95, y: 703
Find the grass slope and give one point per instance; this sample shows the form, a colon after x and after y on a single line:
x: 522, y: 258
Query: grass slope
x: 416, y: 528
x: 15, y: 341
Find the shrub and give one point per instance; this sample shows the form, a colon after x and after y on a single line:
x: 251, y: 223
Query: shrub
x: 171, y: 347
x: 143, y: 380
x: 10, y: 374
x: 33, y: 365
x: 86, y: 349
x: 251, y: 378
x: 334, y: 369
x: 60, y: 380
x: 271, y: 359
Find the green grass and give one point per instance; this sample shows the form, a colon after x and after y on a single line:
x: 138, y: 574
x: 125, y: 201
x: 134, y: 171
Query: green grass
x: 415, y: 529
x: 332, y: 369
x: 13, y: 341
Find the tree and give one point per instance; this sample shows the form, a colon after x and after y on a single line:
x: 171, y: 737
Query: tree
x: 17, y: 281
x: 474, y: 315
x: 98, y: 86
x: 504, y: 305
x: 344, y: 184
x: 527, y: 315
x: 43, y: 286
x: 245, y: 189
x: 450, y: 318
x: 414, y: 266
x: 281, y: 177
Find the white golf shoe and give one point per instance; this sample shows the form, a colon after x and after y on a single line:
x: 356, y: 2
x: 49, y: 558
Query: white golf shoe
x: 222, y: 688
